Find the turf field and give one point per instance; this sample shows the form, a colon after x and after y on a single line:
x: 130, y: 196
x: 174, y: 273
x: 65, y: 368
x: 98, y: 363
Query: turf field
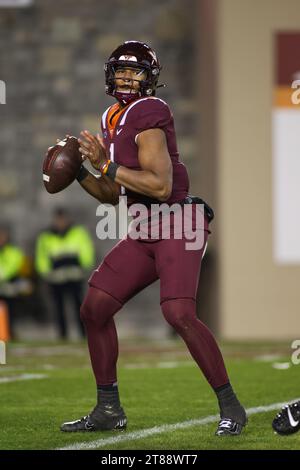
x: 167, y: 401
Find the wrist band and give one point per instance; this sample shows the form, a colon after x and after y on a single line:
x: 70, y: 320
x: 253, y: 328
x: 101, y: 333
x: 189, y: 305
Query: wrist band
x: 109, y: 169
x: 112, y: 170
x: 82, y: 174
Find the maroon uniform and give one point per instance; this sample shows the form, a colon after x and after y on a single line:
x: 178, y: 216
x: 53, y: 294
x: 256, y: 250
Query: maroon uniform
x: 132, y: 265
x: 120, y: 141
x: 177, y: 268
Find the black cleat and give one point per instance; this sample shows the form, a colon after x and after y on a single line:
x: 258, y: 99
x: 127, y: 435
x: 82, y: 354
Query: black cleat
x: 287, y: 421
x: 102, y: 418
x: 233, y: 420
x: 228, y: 427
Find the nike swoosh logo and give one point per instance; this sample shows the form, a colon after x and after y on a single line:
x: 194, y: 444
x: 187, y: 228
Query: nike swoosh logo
x: 119, y: 131
x: 293, y: 423
x: 88, y: 425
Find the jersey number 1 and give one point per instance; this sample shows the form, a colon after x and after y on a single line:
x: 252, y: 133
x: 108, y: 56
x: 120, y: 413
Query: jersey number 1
x: 112, y: 159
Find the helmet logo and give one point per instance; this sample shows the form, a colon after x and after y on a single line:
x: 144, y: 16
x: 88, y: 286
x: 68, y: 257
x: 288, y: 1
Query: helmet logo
x: 129, y: 58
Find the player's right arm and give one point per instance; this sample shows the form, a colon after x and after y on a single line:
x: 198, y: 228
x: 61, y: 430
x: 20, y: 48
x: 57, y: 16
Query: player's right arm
x: 101, y: 187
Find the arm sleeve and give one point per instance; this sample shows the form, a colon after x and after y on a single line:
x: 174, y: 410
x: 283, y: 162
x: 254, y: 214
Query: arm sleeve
x: 153, y: 113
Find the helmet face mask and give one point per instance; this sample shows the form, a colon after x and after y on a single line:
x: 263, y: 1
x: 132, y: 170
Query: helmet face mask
x: 132, y: 54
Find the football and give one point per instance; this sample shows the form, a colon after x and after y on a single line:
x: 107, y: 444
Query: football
x: 61, y: 164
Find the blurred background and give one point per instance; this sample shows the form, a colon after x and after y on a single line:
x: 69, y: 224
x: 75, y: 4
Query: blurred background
x: 229, y: 66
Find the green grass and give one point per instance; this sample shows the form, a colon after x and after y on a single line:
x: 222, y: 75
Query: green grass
x: 31, y: 411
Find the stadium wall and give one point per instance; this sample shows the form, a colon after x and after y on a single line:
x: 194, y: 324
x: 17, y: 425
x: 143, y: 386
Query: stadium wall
x: 259, y: 298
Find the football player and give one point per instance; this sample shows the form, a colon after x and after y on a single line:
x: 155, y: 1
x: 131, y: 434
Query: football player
x: 287, y: 421
x: 138, y: 151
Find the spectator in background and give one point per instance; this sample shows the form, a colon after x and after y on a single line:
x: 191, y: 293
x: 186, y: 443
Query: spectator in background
x: 12, y: 260
x: 63, y: 253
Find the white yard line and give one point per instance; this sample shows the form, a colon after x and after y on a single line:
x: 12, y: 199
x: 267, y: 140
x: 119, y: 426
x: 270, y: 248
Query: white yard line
x: 132, y: 436
x: 17, y: 378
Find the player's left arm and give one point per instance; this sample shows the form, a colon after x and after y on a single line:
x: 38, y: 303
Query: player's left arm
x: 155, y: 178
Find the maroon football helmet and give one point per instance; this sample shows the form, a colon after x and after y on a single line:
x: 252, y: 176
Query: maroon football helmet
x: 133, y: 54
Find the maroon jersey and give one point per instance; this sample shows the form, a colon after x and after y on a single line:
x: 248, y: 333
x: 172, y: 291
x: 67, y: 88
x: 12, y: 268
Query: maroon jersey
x: 120, y: 130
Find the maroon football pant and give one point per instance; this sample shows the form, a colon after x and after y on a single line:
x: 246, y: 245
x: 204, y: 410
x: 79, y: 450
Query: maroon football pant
x: 131, y: 266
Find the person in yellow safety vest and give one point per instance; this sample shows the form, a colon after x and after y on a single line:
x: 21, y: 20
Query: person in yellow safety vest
x: 63, y: 253
x: 12, y: 260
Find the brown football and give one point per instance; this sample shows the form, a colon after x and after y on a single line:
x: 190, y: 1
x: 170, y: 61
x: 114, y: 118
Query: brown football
x: 61, y: 164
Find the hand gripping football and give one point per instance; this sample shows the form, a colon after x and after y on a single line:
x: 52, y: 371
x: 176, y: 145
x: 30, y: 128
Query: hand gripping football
x: 61, y: 164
